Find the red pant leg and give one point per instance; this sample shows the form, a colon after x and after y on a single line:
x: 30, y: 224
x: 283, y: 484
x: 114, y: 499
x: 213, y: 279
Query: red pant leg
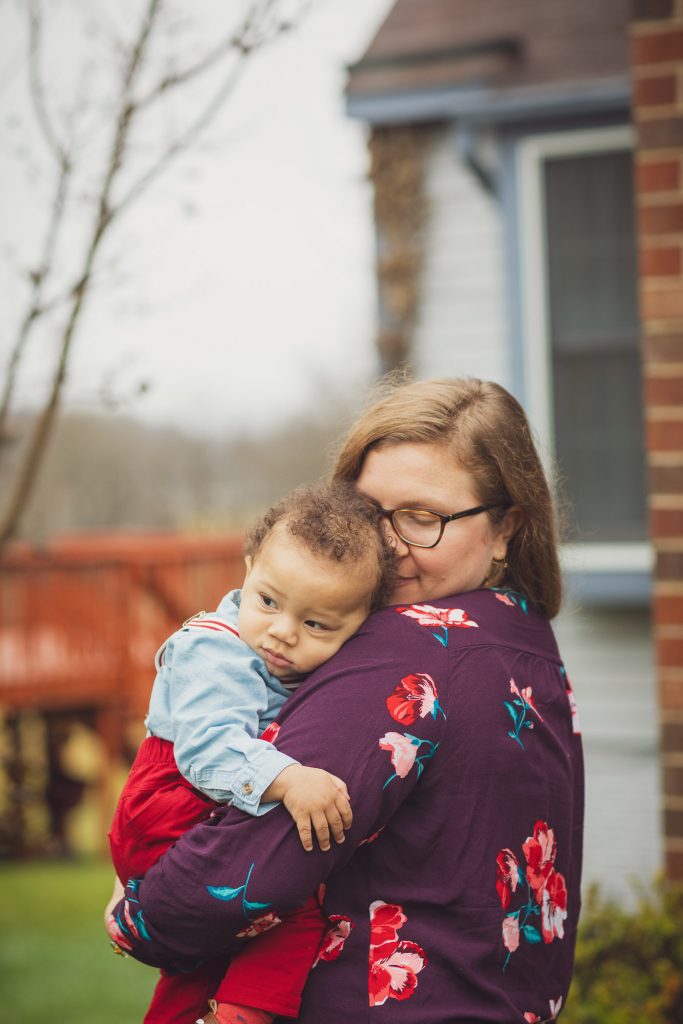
x: 270, y: 971
x: 157, y: 805
x: 182, y: 998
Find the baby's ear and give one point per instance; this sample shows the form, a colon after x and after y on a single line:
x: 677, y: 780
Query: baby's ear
x: 248, y: 562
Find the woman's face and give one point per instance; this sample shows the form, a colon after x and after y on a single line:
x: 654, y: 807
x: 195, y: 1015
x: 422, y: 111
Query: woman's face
x: 424, y: 475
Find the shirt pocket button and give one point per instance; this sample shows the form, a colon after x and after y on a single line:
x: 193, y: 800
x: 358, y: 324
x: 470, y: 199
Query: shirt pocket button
x: 247, y: 788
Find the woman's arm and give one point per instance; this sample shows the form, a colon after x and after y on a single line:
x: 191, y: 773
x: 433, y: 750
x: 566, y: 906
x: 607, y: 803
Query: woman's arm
x: 370, y: 716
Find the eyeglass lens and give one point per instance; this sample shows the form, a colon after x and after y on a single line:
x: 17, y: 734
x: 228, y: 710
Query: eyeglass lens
x: 417, y: 526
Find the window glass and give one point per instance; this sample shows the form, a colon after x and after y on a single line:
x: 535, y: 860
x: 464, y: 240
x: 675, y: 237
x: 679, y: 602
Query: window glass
x: 593, y: 316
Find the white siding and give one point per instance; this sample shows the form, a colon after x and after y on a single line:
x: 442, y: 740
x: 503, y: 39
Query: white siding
x: 461, y: 331
x: 608, y: 657
x: 460, y: 328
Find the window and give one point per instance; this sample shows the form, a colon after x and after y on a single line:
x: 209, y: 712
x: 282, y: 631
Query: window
x: 581, y: 335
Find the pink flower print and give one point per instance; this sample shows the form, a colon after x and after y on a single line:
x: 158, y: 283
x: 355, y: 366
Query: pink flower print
x: 414, y: 696
x: 506, y: 599
x: 441, y: 619
x: 507, y: 876
x: 511, y: 933
x: 334, y: 938
x: 393, y: 964
x: 539, y: 850
x: 404, y: 750
x: 555, y: 1007
x: 259, y: 925
x: 270, y: 732
x: 375, y: 835
x: 519, y: 709
x: 554, y: 907
x: 116, y: 934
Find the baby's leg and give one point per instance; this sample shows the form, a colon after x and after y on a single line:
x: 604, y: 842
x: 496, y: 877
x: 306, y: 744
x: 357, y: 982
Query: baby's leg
x: 270, y: 971
x: 183, y: 998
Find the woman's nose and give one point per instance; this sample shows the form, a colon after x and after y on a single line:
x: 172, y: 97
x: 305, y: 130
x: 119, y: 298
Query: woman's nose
x: 400, y: 547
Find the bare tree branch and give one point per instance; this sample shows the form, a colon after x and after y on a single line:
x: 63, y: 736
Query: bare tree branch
x: 35, y: 28
x: 261, y: 25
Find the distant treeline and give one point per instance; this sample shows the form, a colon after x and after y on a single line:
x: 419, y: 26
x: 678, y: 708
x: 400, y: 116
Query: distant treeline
x: 116, y: 472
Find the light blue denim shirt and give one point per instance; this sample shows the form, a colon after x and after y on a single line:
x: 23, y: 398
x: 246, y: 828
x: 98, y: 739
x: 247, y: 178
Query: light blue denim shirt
x: 212, y: 698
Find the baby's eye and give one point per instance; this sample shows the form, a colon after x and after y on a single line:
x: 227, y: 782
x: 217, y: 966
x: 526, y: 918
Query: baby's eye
x: 269, y: 602
x: 312, y: 624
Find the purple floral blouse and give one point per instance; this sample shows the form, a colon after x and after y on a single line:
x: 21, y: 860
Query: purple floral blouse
x: 455, y: 896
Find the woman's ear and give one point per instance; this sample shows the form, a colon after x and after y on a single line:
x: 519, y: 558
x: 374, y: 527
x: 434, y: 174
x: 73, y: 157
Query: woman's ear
x: 509, y: 525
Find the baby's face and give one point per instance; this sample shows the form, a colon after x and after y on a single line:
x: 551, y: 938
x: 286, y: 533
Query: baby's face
x: 298, y: 608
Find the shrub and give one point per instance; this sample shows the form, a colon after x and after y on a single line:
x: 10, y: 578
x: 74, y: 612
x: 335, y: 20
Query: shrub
x: 629, y: 963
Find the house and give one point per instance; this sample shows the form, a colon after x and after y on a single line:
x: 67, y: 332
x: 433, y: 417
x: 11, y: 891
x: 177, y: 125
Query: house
x: 502, y: 142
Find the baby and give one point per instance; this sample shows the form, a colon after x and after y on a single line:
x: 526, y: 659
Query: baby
x: 317, y: 564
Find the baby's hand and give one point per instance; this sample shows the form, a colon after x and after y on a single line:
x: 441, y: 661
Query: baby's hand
x: 316, y: 800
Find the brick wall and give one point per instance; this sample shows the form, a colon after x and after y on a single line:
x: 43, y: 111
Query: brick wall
x: 657, y: 66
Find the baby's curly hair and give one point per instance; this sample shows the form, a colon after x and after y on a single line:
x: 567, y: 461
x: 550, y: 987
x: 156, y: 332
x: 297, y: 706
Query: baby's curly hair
x: 335, y: 521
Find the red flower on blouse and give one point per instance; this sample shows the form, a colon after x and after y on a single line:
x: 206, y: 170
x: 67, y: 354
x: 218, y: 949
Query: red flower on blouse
x: 554, y: 907
x: 339, y: 929
x: 507, y: 875
x: 415, y: 695
x: 270, y: 732
x: 394, y: 965
x: 540, y: 850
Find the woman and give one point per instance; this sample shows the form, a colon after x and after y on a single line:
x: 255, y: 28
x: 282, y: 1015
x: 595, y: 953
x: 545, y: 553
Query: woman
x: 450, y: 718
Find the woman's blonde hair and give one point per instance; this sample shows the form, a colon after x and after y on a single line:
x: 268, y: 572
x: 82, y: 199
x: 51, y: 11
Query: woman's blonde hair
x: 487, y: 431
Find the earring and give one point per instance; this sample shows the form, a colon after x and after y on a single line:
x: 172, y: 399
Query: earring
x: 496, y: 573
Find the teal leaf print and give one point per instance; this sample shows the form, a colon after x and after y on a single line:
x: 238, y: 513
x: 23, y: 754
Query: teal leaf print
x: 531, y: 934
x: 227, y: 893
x: 223, y: 892
x: 520, y: 710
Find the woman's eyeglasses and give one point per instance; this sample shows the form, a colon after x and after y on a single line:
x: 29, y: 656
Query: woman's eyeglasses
x: 423, y: 528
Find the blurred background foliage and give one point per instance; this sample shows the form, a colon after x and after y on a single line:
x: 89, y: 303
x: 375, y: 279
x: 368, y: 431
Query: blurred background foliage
x: 55, y: 959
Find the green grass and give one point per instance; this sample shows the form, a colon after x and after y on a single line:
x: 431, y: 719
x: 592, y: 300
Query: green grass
x: 55, y: 960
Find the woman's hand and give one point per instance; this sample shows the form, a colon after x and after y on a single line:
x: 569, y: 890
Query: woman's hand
x: 117, y: 894
x: 316, y: 800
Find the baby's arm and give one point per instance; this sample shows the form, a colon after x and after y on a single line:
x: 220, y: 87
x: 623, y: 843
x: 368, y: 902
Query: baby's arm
x: 217, y: 696
x: 316, y: 800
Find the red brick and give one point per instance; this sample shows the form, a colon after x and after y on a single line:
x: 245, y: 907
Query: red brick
x: 673, y: 779
x: 659, y: 133
x: 673, y: 867
x: 658, y: 175
x: 662, y: 303
x: 668, y: 608
x: 661, y: 262
x: 671, y: 695
x: 672, y: 736
x: 661, y: 220
x: 655, y: 91
x: 664, y: 436
x: 663, y: 348
x: 666, y: 480
x: 665, y: 44
x: 649, y: 10
x: 670, y: 655
x: 670, y: 566
x: 667, y: 522
x: 664, y: 391
x: 673, y: 823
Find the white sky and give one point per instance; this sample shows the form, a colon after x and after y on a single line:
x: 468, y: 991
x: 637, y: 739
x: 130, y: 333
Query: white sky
x: 244, y: 287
